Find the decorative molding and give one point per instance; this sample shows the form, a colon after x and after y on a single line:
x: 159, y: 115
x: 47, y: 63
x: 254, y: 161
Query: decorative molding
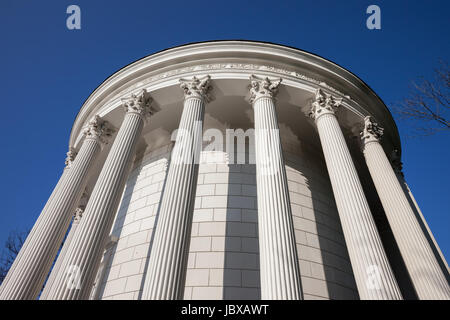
x: 197, y: 88
x: 78, y: 214
x: 243, y: 67
x: 98, y: 129
x: 70, y: 157
x: 323, y: 104
x: 263, y: 87
x: 217, y: 67
x: 139, y: 104
x: 372, y: 131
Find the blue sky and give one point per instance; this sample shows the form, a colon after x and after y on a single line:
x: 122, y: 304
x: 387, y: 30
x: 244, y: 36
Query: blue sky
x: 47, y: 71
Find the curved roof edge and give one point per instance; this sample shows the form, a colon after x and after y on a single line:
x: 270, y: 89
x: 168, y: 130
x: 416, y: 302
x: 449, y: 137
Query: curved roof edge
x: 192, y: 45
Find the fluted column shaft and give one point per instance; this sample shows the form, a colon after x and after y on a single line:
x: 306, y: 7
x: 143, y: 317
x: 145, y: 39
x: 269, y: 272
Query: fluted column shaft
x: 78, y: 268
x: 16, y: 275
x: 426, y: 275
x: 434, y: 243
x: 397, y: 167
x: 167, y: 266
x: 31, y: 266
x: 279, y: 266
x: 373, y: 274
x: 62, y: 253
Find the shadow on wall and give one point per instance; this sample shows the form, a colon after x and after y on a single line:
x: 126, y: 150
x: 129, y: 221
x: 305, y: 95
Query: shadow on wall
x: 241, y: 275
x: 109, y: 254
x: 119, y: 226
x: 155, y: 225
x: 324, y: 262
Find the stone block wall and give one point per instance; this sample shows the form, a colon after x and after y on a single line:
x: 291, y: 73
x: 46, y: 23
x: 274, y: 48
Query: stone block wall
x: 223, y: 258
x: 123, y: 272
x: 224, y: 253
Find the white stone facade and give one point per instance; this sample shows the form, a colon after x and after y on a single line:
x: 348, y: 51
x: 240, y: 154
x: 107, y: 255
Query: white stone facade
x: 168, y: 206
x: 123, y: 272
x: 224, y: 249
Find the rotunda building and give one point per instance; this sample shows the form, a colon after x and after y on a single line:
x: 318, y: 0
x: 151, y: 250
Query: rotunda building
x: 231, y: 170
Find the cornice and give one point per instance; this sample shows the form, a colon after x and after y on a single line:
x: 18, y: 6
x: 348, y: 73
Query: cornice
x: 167, y: 67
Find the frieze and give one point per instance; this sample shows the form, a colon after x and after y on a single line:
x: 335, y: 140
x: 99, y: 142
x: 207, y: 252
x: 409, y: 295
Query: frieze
x: 229, y: 66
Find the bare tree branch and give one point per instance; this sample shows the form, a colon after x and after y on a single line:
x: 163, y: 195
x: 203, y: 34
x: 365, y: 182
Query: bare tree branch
x: 428, y: 104
x: 11, y: 249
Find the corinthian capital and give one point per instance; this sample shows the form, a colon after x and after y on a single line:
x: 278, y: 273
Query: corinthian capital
x: 98, y: 129
x: 372, y: 131
x: 263, y: 87
x: 139, y: 103
x: 78, y: 214
x: 197, y: 88
x: 323, y: 103
x: 71, y: 154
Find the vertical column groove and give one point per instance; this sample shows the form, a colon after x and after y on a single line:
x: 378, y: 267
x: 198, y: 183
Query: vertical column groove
x: 373, y: 275
x: 62, y: 253
x: 168, y: 259
x: 75, y: 277
x: 32, y: 264
x: 279, y: 266
x: 426, y: 275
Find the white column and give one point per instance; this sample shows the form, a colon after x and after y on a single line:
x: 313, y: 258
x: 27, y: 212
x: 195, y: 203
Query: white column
x: 75, y: 277
x: 373, y: 274
x: 31, y: 266
x: 279, y: 267
x: 397, y: 167
x: 55, y: 270
x: 101, y: 274
x: 426, y: 275
x: 167, y: 266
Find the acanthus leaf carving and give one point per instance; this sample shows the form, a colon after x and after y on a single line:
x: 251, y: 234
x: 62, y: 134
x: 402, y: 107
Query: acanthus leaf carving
x: 323, y: 104
x: 227, y: 66
x: 78, y: 214
x: 70, y: 157
x: 98, y: 129
x: 263, y: 87
x: 139, y: 104
x: 197, y: 87
x: 372, y: 131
